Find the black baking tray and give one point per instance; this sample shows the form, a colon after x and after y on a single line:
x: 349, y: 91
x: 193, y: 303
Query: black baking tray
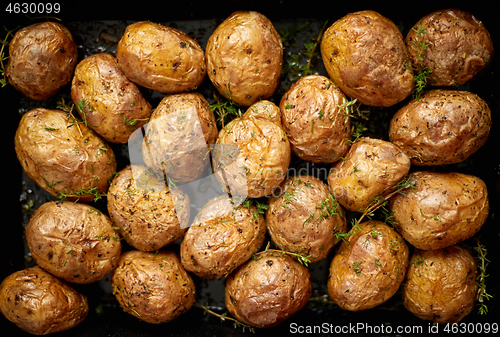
x: 97, y: 28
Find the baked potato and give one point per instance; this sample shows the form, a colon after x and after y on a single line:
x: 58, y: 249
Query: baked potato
x: 268, y: 289
x: 303, y: 217
x: 63, y: 156
x: 443, y: 209
x: 40, y: 303
x: 370, y: 168
x: 365, y: 55
x: 244, y: 56
x: 161, y: 58
x: 457, y: 46
x: 42, y: 57
x: 153, y: 287
x: 110, y: 104
x: 221, y: 238
x: 368, y: 267
x: 73, y: 241
x: 316, y: 126
x: 147, y: 213
x: 440, y: 285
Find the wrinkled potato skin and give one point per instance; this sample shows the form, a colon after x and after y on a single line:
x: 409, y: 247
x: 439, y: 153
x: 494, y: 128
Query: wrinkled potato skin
x: 268, y: 290
x: 73, y: 241
x: 445, y: 208
x: 143, y: 207
x: 382, y: 255
x: 221, y: 238
x: 42, y: 57
x: 317, y: 128
x: 295, y: 223
x: 365, y: 55
x: 244, y: 57
x: 115, y: 107
x: 458, y: 47
x: 153, y: 287
x: 442, y: 127
x: 371, y: 167
x: 40, y: 303
x: 63, y: 161
x: 440, y: 285
x: 161, y: 58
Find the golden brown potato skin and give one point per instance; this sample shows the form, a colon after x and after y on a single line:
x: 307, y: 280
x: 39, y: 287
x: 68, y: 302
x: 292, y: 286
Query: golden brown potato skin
x: 317, y: 128
x: 40, y: 303
x: 73, y: 241
x: 458, y: 47
x: 66, y: 159
x: 268, y: 289
x: 153, y: 286
x: 161, y: 58
x: 368, y: 267
x: 445, y: 208
x: 221, y: 238
x: 244, y: 56
x: 365, y: 55
x: 440, y: 285
x: 371, y: 167
x: 303, y: 217
x: 143, y: 207
x: 442, y: 127
x: 42, y: 57
x: 114, y: 107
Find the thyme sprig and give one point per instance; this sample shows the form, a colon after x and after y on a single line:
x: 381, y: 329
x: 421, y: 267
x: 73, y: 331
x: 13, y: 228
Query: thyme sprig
x: 225, y: 109
x: 481, y: 277
x: 223, y: 317
x: 421, y: 73
x: 4, y: 44
x: 301, y: 258
x: 311, y: 48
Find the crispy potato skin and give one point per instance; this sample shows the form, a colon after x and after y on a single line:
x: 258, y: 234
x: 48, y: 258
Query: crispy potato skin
x: 42, y: 57
x: 153, y: 287
x: 161, y: 58
x: 221, y: 238
x: 317, y: 128
x: 114, y: 107
x: 368, y: 267
x: 267, y: 290
x: 59, y: 158
x: 442, y: 127
x: 440, y: 285
x: 458, y: 47
x: 371, y: 167
x: 73, y: 241
x: 365, y: 55
x: 244, y: 56
x: 445, y: 208
x: 303, y: 217
x: 39, y: 303
x: 143, y: 207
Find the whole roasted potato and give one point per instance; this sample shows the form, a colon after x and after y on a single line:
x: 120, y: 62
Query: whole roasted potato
x: 442, y: 127
x: 107, y: 100
x: 160, y: 58
x: 365, y: 55
x: 440, y: 285
x: 317, y: 128
x: 268, y: 289
x: 39, y: 303
x: 63, y: 156
x: 244, y: 56
x: 443, y: 209
x: 42, y: 57
x: 457, y: 46
x: 153, y: 287
x: 221, y: 238
x: 303, y: 217
x: 371, y: 167
x: 368, y: 267
x: 73, y: 241
x: 145, y: 210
